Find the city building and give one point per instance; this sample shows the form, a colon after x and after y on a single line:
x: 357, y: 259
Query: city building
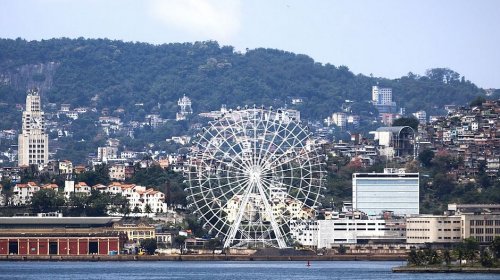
x: 382, y: 96
x: 339, y: 119
x: 22, y: 193
x: 281, y: 206
x: 33, y: 141
x: 107, y: 153
x: 433, y: 229
x: 185, y: 108
x: 382, y: 99
x: 395, y: 141
x: 136, y: 231
x: 421, y: 116
x: 461, y: 221
x: 65, y: 167
x: 330, y: 233
x: 374, y: 193
x: 70, y: 188
x: 142, y: 201
x: 117, y: 172
x: 45, y: 236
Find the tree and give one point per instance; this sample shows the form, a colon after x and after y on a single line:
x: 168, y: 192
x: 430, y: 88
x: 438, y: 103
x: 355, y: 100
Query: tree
x: 214, y: 243
x: 471, y: 246
x: 495, y: 247
x: 460, y: 252
x: 100, y: 175
x: 150, y: 245
x: 425, y: 157
x: 342, y: 249
x: 46, y: 200
x: 433, y: 257
x: 179, y: 240
x: 147, y: 208
x: 485, y: 258
x: 447, y: 257
x: 413, y: 258
x: 478, y: 101
x: 76, y: 205
x: 120, y: 204
x: 411, y: 122
x: 97, y: 205
x: 442, y: 75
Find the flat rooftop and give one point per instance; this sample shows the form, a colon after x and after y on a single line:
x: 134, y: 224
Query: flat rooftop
x: 60, y: 221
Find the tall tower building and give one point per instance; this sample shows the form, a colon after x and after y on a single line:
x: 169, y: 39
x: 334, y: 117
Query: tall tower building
x: 185, y: 108
x: 382, y: 100
x: 381, y: 96
x: 33, y: 141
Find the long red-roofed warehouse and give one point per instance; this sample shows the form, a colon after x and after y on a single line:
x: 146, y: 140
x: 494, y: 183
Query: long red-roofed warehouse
x: 60, y: 236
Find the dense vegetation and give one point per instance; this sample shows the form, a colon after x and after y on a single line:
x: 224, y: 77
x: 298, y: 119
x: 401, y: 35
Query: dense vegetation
x: 467, y: 250
x: 116, y: 74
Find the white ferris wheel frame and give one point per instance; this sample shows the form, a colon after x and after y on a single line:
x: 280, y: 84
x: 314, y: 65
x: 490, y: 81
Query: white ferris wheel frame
x: 247, y: 170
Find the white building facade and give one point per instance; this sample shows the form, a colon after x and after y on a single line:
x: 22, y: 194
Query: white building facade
x: 374, y: 193
x: 381, y: 96
x: 329, y: 233
x: 33, y: 141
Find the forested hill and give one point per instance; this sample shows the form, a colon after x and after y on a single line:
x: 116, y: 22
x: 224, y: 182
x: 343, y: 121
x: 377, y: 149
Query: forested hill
x: 114, y: 74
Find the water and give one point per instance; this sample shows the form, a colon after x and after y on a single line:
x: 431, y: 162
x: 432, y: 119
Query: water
x: 216, y: 270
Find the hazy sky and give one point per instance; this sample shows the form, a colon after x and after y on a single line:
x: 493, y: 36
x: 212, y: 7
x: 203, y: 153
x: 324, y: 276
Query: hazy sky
x: 387, y: 38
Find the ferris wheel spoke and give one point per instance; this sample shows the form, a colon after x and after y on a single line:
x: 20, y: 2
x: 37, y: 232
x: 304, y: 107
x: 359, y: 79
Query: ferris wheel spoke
x: 268, y: 151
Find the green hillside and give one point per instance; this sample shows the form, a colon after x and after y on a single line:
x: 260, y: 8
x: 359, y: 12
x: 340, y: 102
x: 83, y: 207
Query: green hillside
x: 116, y: 74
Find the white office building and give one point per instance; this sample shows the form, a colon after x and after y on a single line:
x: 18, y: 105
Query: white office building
x: 421, y: 116
x: 374, y: 193
x: 33, y: 141
x: 328, y: 233
x: 381, y: 96
x: 339, y: 119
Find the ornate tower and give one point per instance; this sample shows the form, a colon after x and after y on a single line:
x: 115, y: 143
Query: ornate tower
x: 185, y: 108
x: 33, y: 141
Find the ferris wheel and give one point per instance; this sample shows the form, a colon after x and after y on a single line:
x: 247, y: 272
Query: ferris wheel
x: 251, y: 172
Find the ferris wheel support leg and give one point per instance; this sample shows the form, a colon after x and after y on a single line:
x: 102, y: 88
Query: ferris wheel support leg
x: 269, y: 212
x: 235, y: 226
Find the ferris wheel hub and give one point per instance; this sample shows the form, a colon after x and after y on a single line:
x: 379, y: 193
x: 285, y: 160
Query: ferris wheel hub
x: 255, y: 173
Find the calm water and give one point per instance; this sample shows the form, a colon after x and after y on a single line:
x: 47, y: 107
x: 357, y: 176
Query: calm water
x: 215, y: 270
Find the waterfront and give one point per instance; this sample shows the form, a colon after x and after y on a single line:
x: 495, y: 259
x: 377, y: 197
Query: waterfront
x: 216, y: 270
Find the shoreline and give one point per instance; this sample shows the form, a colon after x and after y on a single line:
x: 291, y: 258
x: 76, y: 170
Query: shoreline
x: 95, y: 258
x: 445, y: 269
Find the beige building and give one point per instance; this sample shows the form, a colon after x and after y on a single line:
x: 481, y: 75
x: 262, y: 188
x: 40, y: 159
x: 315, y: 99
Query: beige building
x: 136, y: 232
x: 482, y: 227
x: 117, y: 172
x: 33, y: 141
x: 65, y: 167
x: 479, y: 221
x: 433, y: 229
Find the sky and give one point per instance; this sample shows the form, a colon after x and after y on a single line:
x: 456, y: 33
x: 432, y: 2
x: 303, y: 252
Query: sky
x: 385, y: 38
